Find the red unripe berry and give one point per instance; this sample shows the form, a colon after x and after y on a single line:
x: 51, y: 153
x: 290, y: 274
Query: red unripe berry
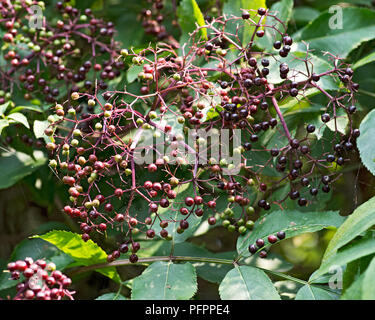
x: 184, y: 211
x: 198, y: 200
x: 184, y: 224
x: 28, y: 273
x: 211, y: 204
x: 102, y: 226
x: 152, y: 167
x: 272, y: 239
x: 189, y: 201
x: 199, y: 212
x: 21, y: 265
x: 148, y: 184
x: 172, y: 194
x: 211, y: 221
x: 118, y: 192
x: 156, y: 186
x: 150, y: 233
x: 108, y: 207
x: 119, y: 217
x: 57, y: 275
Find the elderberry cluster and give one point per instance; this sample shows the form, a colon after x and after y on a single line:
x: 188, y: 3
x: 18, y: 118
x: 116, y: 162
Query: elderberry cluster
x: 65, y: 54
x: 219, y: 83
x: 39, y: 280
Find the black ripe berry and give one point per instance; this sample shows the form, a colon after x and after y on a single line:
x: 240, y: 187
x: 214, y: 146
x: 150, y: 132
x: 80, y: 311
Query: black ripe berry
x: 310, y: 128
x: 277, y: 45
x: 247, y: 146
x: 260, y: 243
x: 245, y: 15
x: 281, y: 235
x: 352, y: 109
x: 326, y: 188
x: 315, y: 77
x: 302, y: 202
x: 326, y: 179
x: 262, y: 11
x: 293, y: 92
x: 330, y: 158
x: 313, y: 191
x: 294, y: 143
x: 252, y: 248
x: 325, y: 117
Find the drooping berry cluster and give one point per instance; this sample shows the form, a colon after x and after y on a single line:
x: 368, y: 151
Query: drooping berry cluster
x: 39, y: 280
x: 219, y: 83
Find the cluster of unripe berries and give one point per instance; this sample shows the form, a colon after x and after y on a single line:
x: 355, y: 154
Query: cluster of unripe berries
x: 39, y: 280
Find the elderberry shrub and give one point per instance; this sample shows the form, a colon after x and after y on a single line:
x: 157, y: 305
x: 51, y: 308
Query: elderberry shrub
x: 220, y: 83
x: 39, y: 280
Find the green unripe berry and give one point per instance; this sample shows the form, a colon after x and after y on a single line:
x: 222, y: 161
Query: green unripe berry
x: 231, y: 228
x: 98, y: 126
x: 53, y: 163
x: 226, y: 223
x: 250, y: 210
x: 74, y: 95
x: 77, y: 133
x: 72, y: 112
x: 153, y: 115
x: 91, y: 102
x: 95, y: 203
x: 242, y: 230
x: 240, y: 222
x: 51, y: 119
x: 249, y: 224
x: 74, y: 142
x: 124, y: 52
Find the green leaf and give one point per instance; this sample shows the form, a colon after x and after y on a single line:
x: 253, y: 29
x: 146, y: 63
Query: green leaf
x: 173, y: 216
x: 364, y: 142
x: 86, y: 253
x: 359, y: 221
x: 368, y: 286
x: 3, y: 124
x: 305, y: 14
x: 4, y: 107
x: 308, y: 292
x: 189, y: 14
x: 31, y: 108
x: 358, y: 26
x: 365, y: 60
x: 354, y: 292
x: 354, y: 251
x: 247, y: 283
x: 291, y: 222
x: 111, y: 296
x: 18, y: 165
x: 165, y: 281
x: 19, y: 118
